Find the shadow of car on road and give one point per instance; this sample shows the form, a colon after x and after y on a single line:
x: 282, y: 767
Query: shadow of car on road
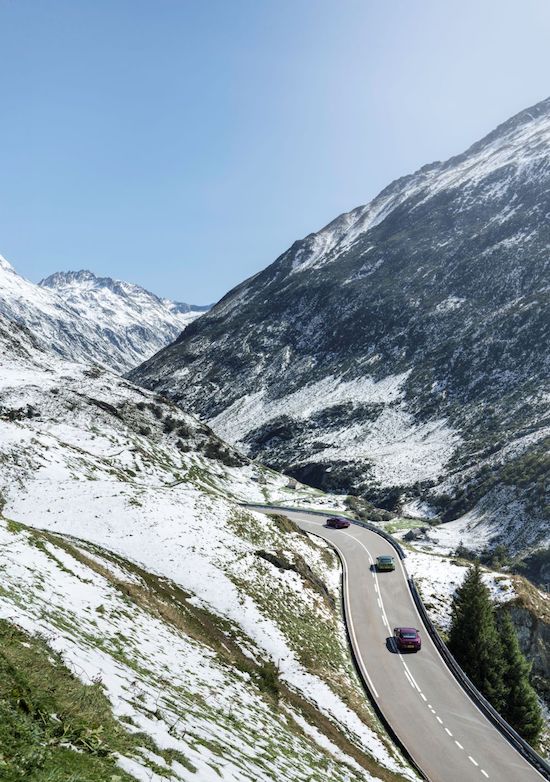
x: 391, y: 645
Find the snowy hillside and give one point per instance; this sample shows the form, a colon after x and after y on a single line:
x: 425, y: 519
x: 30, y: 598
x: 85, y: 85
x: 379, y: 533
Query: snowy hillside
x: 125, y: 547
x: 85, y: 318
x: 400, y: 353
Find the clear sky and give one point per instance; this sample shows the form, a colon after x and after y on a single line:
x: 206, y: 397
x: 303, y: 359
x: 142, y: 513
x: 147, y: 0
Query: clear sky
x: 184, y: 144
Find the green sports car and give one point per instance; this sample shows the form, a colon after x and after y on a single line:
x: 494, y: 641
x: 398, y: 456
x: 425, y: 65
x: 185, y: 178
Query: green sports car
x: 385, y: 563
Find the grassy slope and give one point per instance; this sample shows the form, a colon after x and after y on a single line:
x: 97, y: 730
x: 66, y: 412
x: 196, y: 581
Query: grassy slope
x: 52, y: 726
x: 264, y: 719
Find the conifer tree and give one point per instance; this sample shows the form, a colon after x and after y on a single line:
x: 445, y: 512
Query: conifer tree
x: 474, y: 640
x: 521, y: 708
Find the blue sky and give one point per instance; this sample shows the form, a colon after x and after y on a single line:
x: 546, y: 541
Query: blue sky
x: 184, y: 144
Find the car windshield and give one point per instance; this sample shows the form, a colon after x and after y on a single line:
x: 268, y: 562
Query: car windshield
x: 408, y: 635
x: 385, y: 559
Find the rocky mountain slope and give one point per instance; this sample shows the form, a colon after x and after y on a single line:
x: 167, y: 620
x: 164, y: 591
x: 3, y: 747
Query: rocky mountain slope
x: 135, y: 584
x: 86, y: 318
x: 401, y: 353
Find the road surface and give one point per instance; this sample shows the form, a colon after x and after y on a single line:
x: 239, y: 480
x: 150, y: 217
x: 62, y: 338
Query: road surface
x: 440, y: 726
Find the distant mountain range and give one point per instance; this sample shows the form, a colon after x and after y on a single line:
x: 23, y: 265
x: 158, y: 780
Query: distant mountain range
x: 400, y: 353
x: 94, y: 319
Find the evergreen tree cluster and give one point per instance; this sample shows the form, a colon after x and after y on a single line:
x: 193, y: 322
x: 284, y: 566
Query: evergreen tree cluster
x: 487, y: 649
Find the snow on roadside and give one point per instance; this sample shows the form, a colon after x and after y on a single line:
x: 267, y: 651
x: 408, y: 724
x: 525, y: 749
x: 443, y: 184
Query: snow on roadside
x: 439, y: 577
x: 162, y: 680
x: 93, y: 458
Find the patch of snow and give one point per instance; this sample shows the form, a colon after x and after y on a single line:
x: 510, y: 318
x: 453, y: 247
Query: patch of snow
x: 439, y: 577
x: 450, y: 303
x: 416, y: 509
x: 399, y: 450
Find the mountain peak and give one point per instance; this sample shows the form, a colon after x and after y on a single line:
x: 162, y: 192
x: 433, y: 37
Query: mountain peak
x: 5, y: 265
x: 400, y: 349
x: 87, y: 280
x: 66, y: 278
x: 93, y: 319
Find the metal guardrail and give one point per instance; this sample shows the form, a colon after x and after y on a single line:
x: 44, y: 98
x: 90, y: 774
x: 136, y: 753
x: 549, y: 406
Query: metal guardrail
x: 525, y: 749
x: 481, y: 702
x: 370, y: 694
x: 366, y: 524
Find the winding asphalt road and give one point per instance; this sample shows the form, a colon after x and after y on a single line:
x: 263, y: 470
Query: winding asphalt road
x: 441, y: 728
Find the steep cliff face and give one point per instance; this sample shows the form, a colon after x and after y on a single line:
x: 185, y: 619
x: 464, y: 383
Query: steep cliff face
x: 530, y: 612
x: 401, y: 352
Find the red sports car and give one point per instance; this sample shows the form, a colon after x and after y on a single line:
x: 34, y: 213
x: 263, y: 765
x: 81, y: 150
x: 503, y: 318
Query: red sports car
x: 407, y: 639
x: 336, y: 522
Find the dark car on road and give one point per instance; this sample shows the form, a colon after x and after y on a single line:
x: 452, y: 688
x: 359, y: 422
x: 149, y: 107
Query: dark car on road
x: 385, y: 563
x: 407, y: 639
x: 336, y: 522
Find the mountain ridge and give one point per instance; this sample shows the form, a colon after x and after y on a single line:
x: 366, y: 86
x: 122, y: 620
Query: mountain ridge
x: 67, y: 279
x: 82, y: 317
x: 440, y: 281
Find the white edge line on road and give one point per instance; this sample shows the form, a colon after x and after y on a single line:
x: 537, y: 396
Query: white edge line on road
x: 317, y: 522
x: 356, y: 649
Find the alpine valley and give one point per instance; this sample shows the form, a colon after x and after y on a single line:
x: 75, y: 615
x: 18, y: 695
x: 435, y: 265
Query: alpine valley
x: 400, y: 354
x: 153, y: 626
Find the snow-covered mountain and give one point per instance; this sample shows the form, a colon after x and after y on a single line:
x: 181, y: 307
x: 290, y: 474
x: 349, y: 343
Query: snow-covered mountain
x: 126, y: 551
x: 400, y: 353
x: 86, y: 318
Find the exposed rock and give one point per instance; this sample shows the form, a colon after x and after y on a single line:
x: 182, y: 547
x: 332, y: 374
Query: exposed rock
x: 403, y: 347
x: 82, y: 317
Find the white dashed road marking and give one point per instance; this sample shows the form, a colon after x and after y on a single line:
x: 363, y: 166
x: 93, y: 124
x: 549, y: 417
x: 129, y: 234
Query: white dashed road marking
x: 408, y: 674
x: 410, y: 678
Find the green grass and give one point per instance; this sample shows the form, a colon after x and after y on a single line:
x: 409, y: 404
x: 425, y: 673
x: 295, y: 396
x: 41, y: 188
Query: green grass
x: 400, y: 524
x: 53, y: 728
